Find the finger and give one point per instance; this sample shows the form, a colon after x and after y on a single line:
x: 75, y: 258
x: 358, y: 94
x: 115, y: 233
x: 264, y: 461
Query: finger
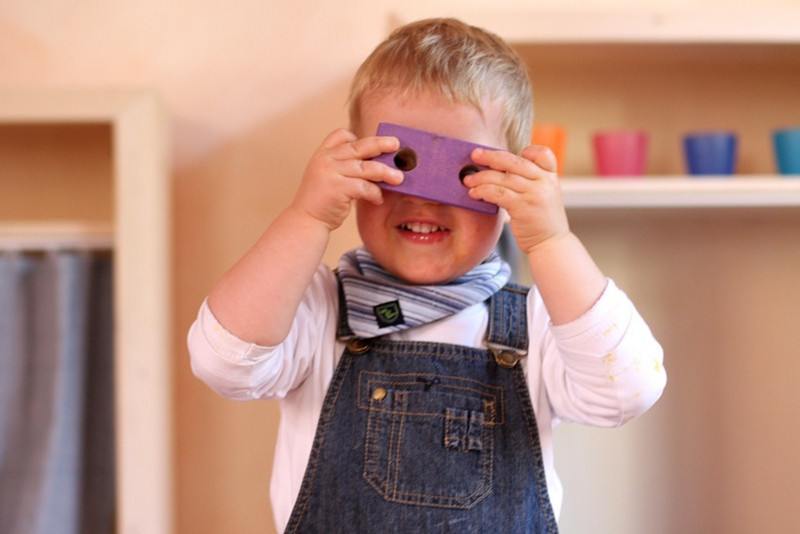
x: 514, y: 182
x: 374, y: 171
x: 510, y: 197
x: 367, y: 147
x: 495, y: 193
x: 367, y: 191
x: 338, y: 137
x: 344, y: 144
x: 542, y: 156
x: 533, y: 160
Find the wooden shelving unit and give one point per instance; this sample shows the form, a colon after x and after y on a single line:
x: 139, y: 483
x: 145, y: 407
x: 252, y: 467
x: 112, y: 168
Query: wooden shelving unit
x: 712, y: 263
x: 88, y: 168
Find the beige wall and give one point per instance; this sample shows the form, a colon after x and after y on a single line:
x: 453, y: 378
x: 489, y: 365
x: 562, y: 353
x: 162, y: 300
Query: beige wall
x: 251, y: 88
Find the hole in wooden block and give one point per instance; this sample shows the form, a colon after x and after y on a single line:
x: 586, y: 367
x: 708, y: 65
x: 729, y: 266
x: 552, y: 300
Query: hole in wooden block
x: 405, y: 159
x: 466, y: 171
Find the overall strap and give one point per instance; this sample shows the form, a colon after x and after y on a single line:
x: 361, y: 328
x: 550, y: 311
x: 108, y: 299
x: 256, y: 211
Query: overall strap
x: 507, y: 335
x: 343, y: 330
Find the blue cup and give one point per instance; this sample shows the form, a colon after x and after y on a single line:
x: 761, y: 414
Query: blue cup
x: 710, y: 153
x: 786, y: 142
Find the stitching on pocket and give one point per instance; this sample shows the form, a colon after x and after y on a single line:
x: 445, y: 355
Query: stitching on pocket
x: 394, y: 466
x: 475, y: 431
x: 455, y: 428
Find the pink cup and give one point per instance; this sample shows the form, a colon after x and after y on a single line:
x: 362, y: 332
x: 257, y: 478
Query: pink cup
x: 620, y: 152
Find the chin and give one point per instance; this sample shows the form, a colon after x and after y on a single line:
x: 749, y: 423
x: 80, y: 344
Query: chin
x: 425, y: 275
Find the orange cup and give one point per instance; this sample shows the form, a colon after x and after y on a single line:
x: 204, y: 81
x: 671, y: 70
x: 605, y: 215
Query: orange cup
x: 553, y: 136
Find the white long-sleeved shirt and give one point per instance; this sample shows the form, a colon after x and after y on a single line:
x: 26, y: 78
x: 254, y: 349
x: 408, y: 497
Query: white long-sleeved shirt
x: 602, y: 369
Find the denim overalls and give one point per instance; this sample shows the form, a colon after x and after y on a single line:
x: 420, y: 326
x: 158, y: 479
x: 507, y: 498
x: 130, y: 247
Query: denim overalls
x: 424, y: 437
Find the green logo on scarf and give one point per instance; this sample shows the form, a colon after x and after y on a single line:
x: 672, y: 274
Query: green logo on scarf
x: 388, y: 314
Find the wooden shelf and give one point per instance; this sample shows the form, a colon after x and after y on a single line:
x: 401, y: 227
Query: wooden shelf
x: 681, y: 192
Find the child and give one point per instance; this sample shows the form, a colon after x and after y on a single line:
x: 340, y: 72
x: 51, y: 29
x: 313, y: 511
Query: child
x: 436, y: 416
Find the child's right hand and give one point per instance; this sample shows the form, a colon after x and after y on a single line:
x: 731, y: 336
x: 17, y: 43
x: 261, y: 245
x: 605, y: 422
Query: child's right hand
x: 280, y: 265
x: 341, y: 171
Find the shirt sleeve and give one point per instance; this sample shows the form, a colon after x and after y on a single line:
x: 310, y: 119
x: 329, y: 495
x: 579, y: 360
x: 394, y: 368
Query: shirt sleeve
x: 239, y: 370
x: 604, y: 368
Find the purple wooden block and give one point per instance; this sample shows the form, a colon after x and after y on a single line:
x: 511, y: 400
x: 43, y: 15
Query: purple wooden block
x: 434, y: 166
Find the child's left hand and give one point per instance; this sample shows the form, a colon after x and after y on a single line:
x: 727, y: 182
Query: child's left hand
x: 527, y: 188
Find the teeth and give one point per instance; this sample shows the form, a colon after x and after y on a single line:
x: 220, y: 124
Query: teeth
x: 421, y: 228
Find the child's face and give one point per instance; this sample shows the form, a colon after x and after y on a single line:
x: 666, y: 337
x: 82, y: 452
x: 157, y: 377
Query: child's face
x: 417, y: 240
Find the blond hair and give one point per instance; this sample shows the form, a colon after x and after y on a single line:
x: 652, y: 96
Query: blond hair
x: 466, y: 63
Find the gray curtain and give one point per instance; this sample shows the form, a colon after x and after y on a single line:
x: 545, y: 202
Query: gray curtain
x: 56, y: 393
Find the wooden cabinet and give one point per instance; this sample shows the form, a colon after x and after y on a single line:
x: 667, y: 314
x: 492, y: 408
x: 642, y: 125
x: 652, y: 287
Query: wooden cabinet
x: 89, y: 168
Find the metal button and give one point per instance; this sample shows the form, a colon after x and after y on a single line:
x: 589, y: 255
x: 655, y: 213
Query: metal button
x: 506, y: 358
x: 379, y: 393
x: 358, y: 346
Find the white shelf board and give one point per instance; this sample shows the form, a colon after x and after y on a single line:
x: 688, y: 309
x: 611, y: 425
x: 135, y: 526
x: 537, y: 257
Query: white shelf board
x: 681, y: 192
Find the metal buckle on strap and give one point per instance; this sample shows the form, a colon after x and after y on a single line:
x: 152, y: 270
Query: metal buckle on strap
x: 506, y: 357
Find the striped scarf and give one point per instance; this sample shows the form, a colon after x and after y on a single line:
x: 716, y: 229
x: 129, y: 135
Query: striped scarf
x: 378, y: 303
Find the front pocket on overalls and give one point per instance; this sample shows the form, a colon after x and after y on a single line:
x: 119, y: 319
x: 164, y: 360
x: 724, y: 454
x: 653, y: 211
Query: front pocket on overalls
x: 429, y: 440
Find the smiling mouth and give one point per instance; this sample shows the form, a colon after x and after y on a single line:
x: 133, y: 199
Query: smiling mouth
x: 422, y: 228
